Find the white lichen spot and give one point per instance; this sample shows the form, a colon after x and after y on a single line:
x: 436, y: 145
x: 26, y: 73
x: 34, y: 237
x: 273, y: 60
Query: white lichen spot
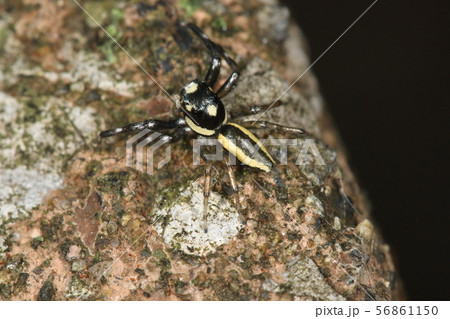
x: 365, y: 230
x: 34, y: 151
x: 93, y: 70
x: 84, y: 120
x: 74, y: 252
x: 22, y: 189
x: 3, y: 246
x: 312, y: 203
x: 8, y: 108
x: 184, y: 228
x: 305, y: 280
x: 337, y: 223
x: 75, y: 289
x: 86, y: 70
x: 270, y: 285
x: 77, y: 87
x: 78, y: 265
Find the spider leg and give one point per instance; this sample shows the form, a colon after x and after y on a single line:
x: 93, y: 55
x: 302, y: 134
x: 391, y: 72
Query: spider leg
x: 235, y: 189
x: 271, y: 126
x: 176, y: 135
x: 234, y: 77
x: 214, y: 68
x: 281, y: 191
x: 252, y: 110
x: 173, y: 137
x: 154, y: 125
x: 213, y: 73
x: 146, y: 139
x: 206, y: 193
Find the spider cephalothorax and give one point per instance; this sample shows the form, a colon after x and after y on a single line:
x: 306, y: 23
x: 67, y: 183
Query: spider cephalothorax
x: 205, y: 114
x: 204, y: 111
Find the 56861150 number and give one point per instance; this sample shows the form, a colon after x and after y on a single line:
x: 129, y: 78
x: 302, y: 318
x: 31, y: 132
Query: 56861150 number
x: 407, y: 310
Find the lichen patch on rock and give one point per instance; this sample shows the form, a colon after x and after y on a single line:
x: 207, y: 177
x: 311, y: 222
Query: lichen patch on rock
x: 306, y: 279
x: 38, y: 138
x: 22, y: 189
x: 181, y: 224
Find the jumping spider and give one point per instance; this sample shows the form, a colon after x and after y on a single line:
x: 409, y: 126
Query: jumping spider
x: 205, y: 115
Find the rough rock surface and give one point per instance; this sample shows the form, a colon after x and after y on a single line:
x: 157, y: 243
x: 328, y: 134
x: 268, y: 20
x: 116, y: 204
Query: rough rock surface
x: 77, y: 223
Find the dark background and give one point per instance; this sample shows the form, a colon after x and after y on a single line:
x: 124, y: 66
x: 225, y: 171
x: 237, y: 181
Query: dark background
x: 383, y: 82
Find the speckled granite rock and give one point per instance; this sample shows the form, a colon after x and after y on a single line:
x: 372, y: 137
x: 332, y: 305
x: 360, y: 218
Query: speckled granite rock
x: 77, y: 223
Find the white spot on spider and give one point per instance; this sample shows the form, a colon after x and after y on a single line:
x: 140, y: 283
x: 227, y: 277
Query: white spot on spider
x: 212, y: 110
x: 188, y: 107
x: 191, y: 87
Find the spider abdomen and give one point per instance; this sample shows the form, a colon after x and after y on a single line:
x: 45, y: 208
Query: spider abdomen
x: 247, y: 148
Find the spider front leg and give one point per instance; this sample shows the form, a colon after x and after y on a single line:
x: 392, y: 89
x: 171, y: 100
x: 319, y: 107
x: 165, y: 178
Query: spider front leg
x: 214, y: 68
x: 234, y: 77
x: 213, y: 73
x: 154, y: 125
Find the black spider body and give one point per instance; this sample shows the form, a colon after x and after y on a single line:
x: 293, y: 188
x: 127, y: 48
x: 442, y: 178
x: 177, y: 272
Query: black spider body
x: 204, y: 110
